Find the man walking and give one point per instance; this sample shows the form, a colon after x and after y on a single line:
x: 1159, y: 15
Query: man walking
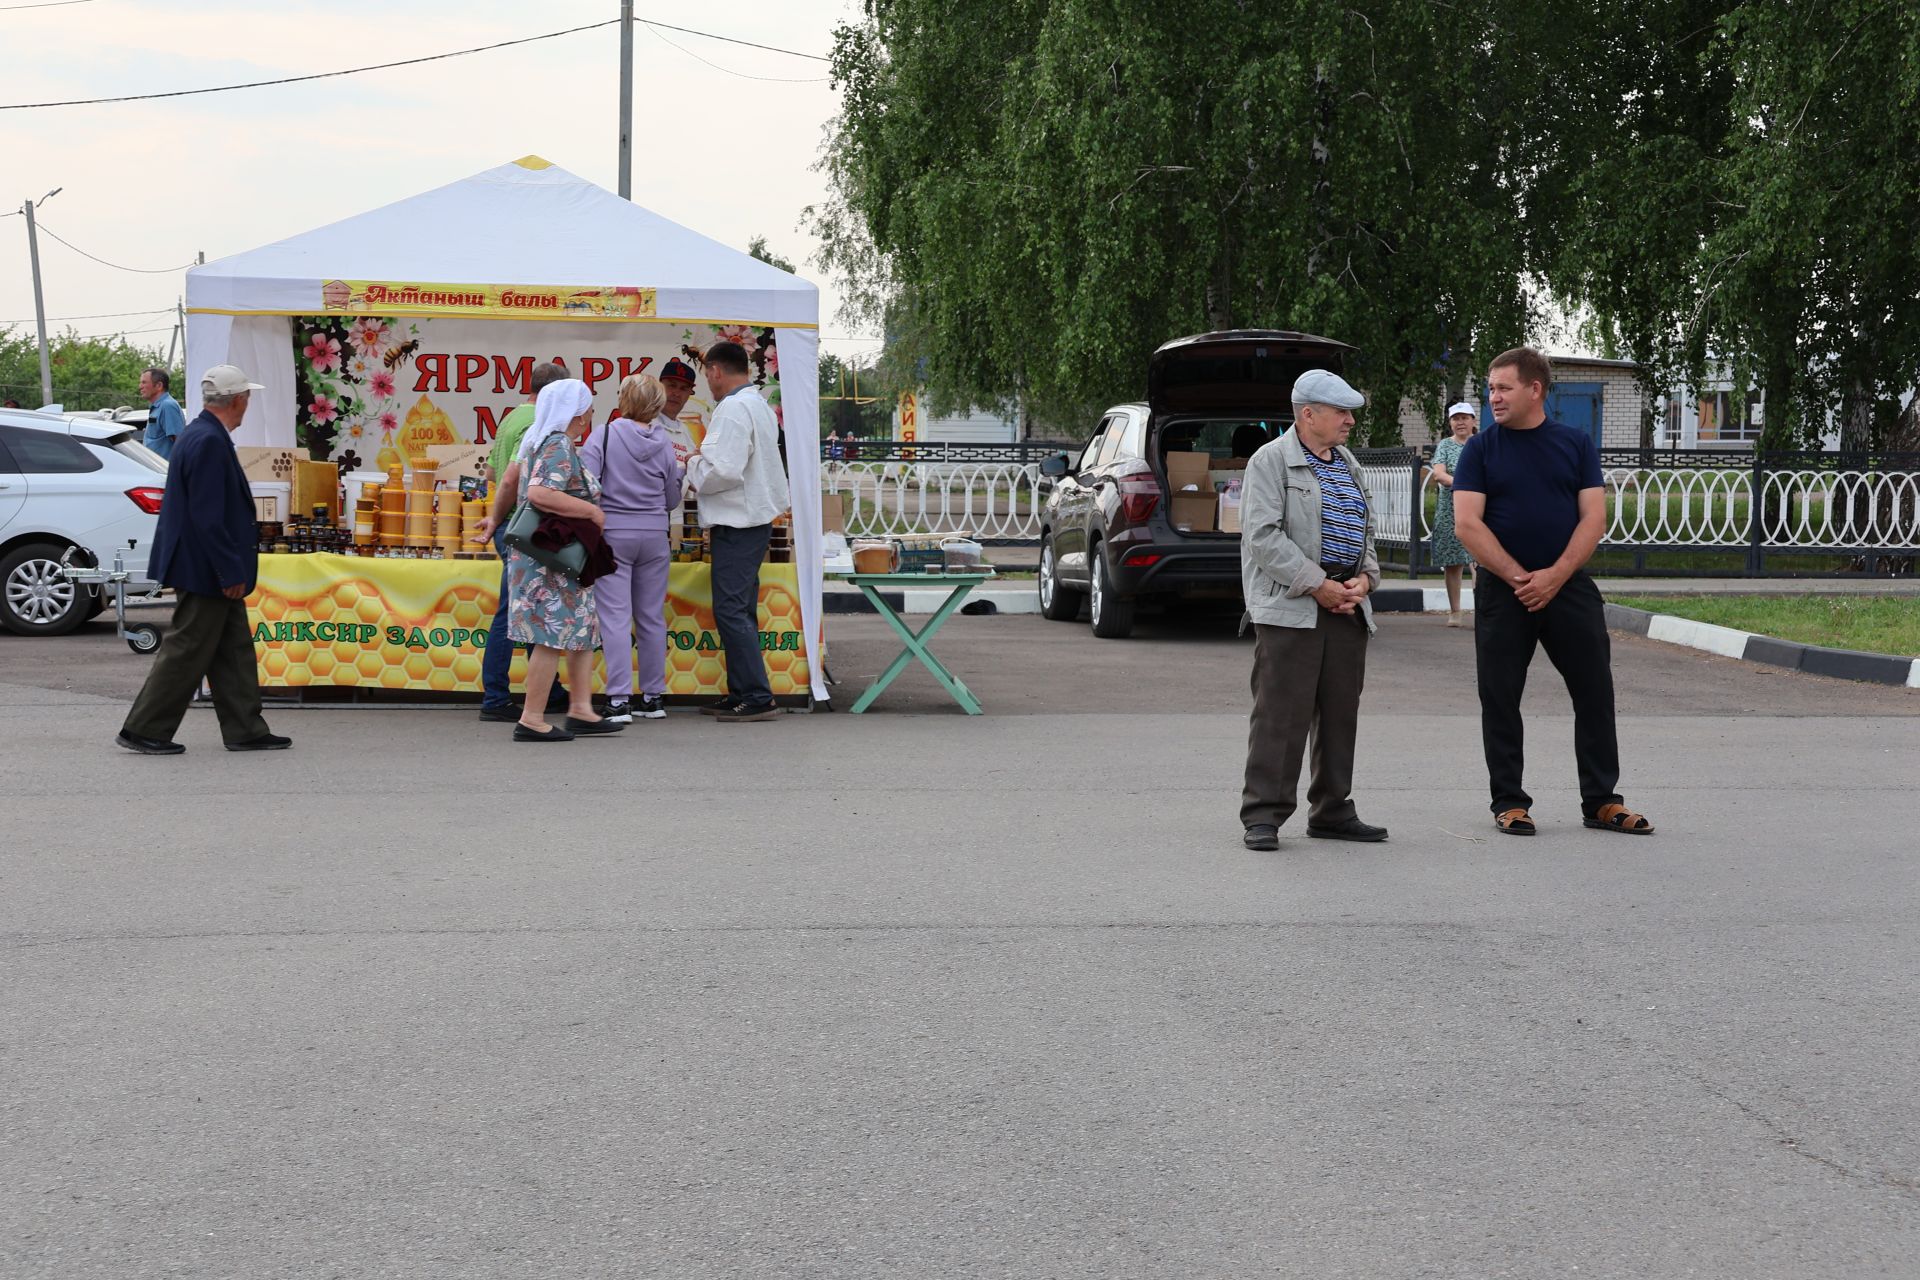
x: 204, y: 548
x: 165, y: 420
x: 496, y: 665
x: 741, y: 485
x: 1307, y: 566
x: 1530, y: 505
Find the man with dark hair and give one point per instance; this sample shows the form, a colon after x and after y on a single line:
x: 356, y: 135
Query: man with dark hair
x: 742, y: 487
x: 1530, y: 504
x: 496, y: 665
x: 165, y: 420
x: 203, y: 547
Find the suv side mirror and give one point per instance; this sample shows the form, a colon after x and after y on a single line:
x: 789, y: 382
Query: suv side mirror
x: 1054, y: 466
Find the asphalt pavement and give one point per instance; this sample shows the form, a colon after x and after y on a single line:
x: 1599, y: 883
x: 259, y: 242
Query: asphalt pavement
x: 919, y: 994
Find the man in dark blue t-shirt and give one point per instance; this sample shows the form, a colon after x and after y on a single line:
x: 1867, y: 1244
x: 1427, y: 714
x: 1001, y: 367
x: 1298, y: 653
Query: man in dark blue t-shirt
x: 1529, y: 503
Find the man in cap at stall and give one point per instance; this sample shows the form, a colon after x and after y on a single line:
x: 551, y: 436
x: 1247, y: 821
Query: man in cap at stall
x: 1307, y: 566
x: 205, y: 548
x: 677, y: 379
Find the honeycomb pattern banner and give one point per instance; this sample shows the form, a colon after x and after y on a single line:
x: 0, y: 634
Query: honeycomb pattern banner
x: 422, y: 625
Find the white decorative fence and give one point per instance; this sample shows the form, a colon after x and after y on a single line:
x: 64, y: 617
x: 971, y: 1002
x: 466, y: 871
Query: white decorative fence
x: 1000, y: 501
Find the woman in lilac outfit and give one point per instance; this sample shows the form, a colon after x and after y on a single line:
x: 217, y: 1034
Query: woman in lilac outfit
x: 640, y: 484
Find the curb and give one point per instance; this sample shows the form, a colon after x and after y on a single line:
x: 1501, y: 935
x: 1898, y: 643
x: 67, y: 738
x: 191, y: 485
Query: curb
x: 1745, y: 646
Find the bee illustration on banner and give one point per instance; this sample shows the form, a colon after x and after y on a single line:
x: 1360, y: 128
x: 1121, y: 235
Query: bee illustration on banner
x: 402, y: 353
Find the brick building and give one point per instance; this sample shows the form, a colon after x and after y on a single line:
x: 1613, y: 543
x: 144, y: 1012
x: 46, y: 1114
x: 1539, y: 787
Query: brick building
x: 1603, y: 396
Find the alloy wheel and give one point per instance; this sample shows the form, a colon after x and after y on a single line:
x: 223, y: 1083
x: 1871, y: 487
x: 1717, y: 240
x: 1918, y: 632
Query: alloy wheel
x: 38, y: 592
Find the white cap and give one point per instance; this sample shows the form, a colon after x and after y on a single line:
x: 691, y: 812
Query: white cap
x: 226, y: 380
x: 1319, y: 386
x: 1454, y: 410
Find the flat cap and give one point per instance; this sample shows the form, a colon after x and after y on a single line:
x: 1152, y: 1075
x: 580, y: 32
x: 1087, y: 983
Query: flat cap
x: 1318, y: 386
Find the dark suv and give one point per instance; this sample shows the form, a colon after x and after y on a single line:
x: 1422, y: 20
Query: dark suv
x: 1108, y: 533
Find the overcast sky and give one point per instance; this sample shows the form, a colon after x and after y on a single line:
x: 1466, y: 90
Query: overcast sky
x: 150, y: 184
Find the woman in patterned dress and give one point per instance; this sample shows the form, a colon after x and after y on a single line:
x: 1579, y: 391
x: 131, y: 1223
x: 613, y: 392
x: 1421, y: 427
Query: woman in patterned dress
x: 1447, y: 551
x: 546, y: 609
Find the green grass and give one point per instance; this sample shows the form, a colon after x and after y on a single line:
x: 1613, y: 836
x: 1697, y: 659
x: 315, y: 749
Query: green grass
x: 1876, y: 624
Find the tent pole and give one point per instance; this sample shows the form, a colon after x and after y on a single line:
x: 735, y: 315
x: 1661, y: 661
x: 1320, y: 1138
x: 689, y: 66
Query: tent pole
x: 626, y: 99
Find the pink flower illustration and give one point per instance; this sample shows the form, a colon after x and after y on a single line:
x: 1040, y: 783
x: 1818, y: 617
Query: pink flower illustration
x: 734, y: 333
x: 323, y: 353
x: 389, y: 421
x: 367, y: 336
x: 382, y: 384
x: 773, y: 362
x: 322, y: 411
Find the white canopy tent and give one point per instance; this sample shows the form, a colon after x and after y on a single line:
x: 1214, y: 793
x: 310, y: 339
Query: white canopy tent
x: 525, y: 226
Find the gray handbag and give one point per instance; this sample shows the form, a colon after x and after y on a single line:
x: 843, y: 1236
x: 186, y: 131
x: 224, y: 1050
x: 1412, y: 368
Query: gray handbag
x: 570, y: 559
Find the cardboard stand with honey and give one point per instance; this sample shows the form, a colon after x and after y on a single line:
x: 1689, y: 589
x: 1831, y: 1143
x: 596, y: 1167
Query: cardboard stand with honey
x: 387, y: 370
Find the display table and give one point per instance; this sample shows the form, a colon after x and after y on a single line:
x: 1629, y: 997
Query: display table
x: 871, y: 585
x: 327, y: 620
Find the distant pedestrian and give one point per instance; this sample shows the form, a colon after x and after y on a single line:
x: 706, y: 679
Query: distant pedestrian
x: 11, y: 403
x: 204, y: 548
x: 639, y: 486
x: 1307, y: 566
x: 742, y: 487
x: 1447, y: 551
x: 165, y: 420
x: 1530, y: 504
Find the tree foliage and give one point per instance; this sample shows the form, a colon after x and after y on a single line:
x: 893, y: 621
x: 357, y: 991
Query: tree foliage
x: 88, y: 373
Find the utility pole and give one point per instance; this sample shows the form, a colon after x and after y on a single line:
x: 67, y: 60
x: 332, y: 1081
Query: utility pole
x: 626, y: 99
x: 39, y: 302
x: 179, y: 323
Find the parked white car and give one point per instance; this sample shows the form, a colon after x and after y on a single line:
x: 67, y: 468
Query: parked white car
x: 70, y: 483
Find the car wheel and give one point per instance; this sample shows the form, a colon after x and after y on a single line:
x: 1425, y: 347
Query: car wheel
x: 1112, y: 612
x: 1057, y: 603
x: 35, y: 597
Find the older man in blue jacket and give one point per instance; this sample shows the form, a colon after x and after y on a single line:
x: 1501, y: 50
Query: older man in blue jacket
x: 204, y: 547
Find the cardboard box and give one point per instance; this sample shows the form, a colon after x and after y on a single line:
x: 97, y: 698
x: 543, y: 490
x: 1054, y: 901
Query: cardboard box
x: 457, y: 460
x: 833, y: 513
x: 1194, y: 512
x: 271, y: 466
x: 1189, y: 470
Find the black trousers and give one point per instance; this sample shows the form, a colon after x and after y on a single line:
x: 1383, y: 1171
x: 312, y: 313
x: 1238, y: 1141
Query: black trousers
x: 208, y: 637
x: 737, y: 556
x: 1573, y: 631
x: 1306, y: 683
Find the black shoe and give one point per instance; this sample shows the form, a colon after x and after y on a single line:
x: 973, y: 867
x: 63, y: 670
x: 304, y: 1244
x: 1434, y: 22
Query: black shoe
x: 149, y: 746
x: 720, y: 706
x: 554, y: 733
x: 592, y: 728
x: 1261, y: 836
x: 507, y: 713
x: 265, y: 742
x: 1351, y: 829
x: 651, y: 708
x: 747, y: 713
x: 619, y: 711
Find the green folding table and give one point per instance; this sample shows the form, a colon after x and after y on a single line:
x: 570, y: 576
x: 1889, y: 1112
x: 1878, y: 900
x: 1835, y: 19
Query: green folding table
x: 872, y: 584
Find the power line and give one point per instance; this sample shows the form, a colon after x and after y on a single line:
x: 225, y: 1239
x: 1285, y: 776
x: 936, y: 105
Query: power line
x: 97, y: 315
x: 145, y: 271
x: 776, y: 79
x: 44, y: 4
x: 437, y: 57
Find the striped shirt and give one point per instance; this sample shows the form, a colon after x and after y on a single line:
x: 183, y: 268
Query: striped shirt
x: 1343, y: 510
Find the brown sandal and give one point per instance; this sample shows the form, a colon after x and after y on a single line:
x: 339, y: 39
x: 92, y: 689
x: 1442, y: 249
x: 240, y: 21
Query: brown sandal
x: 1617, y: 817
x: 1514, y: 822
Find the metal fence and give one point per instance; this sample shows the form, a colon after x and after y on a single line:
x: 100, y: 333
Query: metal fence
x: 1704, y: 513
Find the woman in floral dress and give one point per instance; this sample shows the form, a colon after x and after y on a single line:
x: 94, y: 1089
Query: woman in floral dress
x: 547, y: 609
x: 1447, y: 551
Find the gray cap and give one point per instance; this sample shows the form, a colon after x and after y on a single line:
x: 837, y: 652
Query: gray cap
x: 1318, y: 386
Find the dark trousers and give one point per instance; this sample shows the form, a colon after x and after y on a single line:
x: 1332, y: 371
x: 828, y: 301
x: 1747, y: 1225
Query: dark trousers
x: 208, y: 638
x: 1305, y: 683
x: 1573, y: 631
x: 737, y: 556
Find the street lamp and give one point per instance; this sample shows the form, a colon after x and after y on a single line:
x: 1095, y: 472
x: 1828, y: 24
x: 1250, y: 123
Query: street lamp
x: 39, y: 303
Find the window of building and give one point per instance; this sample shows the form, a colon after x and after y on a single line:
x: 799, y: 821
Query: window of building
x: 1723, y: 419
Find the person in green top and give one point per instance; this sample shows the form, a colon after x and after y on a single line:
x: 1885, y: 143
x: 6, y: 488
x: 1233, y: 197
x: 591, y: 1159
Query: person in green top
x: 496, y: 668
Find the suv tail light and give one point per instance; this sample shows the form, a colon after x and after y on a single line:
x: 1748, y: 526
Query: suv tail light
x: 1139, y: 495
x: 147, y: 499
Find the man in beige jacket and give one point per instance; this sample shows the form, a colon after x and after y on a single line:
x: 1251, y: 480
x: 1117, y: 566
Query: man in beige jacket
x: 1307, y: 565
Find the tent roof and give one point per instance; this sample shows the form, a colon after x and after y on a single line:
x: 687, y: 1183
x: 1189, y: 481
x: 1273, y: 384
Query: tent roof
x: 523, y: 223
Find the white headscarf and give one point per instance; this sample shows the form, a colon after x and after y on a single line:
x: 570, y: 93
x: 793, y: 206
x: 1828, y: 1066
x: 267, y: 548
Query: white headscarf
x: 558, y: 404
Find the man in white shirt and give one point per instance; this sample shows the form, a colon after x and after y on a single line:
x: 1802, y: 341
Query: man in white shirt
x: 741, y: 485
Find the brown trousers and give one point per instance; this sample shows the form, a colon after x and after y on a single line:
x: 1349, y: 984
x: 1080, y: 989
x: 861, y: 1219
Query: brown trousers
x: 208, y: 637
x: 1304, y: 682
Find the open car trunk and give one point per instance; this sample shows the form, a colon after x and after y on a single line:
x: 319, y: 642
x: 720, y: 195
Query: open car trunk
x: 1215, y: 399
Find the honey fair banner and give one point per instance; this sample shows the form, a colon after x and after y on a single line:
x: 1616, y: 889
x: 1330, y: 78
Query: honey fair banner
x: 322, y: 620
x: 374, y: 388
x: 496, y: 301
